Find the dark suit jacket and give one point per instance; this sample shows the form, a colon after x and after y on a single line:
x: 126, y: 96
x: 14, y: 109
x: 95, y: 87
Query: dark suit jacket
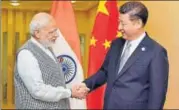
x: 141, y: 84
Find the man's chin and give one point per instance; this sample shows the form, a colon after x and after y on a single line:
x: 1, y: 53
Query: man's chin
x: 47, y: 45
x: 124, y: 37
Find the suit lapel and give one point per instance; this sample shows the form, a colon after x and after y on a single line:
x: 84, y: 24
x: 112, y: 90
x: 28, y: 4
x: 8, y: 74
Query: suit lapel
x: 140, y: 50
x: 118, y: 50
x: 117, y: 62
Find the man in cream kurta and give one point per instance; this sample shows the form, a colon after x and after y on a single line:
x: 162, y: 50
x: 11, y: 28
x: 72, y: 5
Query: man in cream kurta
x: 39, y: 81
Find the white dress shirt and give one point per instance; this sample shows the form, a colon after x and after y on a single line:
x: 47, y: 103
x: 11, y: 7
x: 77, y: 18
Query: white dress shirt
x: 30, y: 73
x: 134, y: 44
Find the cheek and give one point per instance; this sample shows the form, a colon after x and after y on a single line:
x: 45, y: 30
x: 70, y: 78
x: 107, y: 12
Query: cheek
x: 42, y: 37
x: 49, y: 38
x: 128, y: 30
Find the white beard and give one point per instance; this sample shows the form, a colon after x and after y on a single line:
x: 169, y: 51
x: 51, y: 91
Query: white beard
x: 46, y: 43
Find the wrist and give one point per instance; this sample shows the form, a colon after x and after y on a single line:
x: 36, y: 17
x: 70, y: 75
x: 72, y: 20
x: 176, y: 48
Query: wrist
x: 71, y: 93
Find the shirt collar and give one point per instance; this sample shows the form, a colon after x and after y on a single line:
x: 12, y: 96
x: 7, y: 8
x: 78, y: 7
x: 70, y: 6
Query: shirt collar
x: 138, y: 40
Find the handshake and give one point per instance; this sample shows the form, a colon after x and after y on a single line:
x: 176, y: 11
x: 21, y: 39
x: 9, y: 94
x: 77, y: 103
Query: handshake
x: 79, y: 91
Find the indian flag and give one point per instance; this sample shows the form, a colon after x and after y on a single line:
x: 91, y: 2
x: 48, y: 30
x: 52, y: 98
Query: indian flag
x: 67, y: 47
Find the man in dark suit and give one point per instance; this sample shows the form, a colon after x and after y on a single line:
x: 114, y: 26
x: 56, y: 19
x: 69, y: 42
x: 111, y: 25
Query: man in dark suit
x: 135, y: 68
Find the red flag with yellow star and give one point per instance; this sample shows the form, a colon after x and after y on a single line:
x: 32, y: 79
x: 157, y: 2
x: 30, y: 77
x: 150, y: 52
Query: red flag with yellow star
x: 104, y: 31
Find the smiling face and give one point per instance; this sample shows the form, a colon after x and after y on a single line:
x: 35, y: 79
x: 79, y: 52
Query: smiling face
x: 44, y: 29
x: 132, y: 19
x: 129, y: 28
x: 48, y: 34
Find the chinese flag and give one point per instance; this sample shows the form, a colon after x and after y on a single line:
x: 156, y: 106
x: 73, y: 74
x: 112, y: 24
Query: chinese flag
x: 104, y: 31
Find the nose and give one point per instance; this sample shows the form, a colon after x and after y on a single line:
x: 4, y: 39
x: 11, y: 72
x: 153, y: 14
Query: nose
x: 55, y: 35
x: 120, y: 27
x: 54, y: 39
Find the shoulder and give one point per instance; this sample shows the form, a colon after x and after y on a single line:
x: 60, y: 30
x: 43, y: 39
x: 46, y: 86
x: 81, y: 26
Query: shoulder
x: 24, y: 53
x: 25, y: 56
x: 156, y: 45
x: 118, y: 41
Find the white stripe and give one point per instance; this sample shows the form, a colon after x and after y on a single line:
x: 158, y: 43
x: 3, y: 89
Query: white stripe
x: 61, y: 47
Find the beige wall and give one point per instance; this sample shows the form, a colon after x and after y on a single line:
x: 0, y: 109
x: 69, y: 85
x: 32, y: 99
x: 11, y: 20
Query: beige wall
x: 163, y: 25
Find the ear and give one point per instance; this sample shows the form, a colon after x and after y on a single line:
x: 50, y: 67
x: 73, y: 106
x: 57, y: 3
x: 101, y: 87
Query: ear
x: 37, y: 34
x: 138, y: 23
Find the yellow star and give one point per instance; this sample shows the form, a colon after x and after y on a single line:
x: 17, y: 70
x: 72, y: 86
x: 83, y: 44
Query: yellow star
x: 119, y: 34
x: 107, y: 44
x: 102, y: 7
x: 93, y: 41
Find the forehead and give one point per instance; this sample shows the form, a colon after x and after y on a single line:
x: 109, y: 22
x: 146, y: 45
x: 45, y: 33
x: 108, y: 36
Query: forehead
x: 51, y: 25
x: 124, y: 17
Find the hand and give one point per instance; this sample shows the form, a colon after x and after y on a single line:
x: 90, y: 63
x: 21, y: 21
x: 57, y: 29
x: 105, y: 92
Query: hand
x: 79, y: 91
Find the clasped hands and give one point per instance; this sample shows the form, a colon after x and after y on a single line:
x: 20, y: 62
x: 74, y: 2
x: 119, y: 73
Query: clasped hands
x: 79, y: 91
